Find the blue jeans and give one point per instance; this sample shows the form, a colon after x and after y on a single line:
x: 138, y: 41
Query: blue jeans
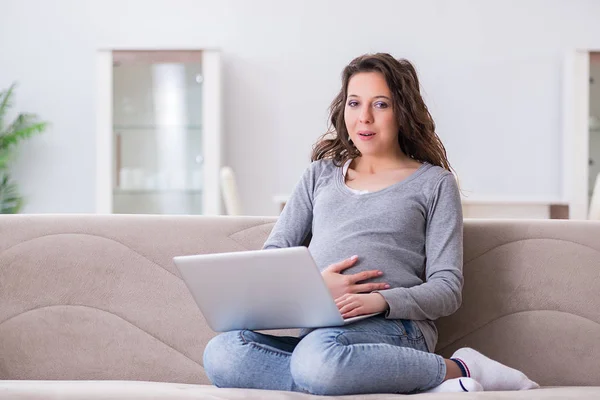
x: 375, y: 355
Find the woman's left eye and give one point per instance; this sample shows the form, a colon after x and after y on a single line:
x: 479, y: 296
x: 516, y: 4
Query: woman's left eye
x: 381, y: 104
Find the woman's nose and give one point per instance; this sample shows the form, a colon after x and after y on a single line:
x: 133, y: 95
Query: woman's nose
x: 365, y: 116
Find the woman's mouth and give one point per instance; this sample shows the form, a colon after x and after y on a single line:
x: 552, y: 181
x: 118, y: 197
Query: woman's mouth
x: 366, y: 135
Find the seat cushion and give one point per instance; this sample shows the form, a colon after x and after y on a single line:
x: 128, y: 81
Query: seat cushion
x: 138, y: 390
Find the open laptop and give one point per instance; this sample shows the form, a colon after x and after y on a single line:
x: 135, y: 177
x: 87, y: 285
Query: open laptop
x: 262, y: 289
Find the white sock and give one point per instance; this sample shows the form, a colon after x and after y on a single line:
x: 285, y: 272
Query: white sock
x: 491, y: 374
x: 457, y: 385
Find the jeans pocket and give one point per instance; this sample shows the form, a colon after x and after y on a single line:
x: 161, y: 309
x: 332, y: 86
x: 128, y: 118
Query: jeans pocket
x: 409, y: 329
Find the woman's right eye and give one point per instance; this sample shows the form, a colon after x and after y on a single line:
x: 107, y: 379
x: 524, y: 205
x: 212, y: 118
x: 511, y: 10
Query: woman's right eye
x: 353, y: 103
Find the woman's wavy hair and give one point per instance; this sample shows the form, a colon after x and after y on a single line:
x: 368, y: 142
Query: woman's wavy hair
x: 416, y: 136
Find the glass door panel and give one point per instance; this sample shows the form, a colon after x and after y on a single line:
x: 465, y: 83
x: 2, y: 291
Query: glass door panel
x: 157, y: 127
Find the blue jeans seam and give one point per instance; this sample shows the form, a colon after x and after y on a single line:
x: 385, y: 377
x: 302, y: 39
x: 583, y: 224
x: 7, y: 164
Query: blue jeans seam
x: 439, y: 379
x: 258, y: 346
x: 405, y: 332
x: 240, y: 334
x: 337, y: 339
x: 268, y: 350
x: 416, y: 339
x: 419, y: 340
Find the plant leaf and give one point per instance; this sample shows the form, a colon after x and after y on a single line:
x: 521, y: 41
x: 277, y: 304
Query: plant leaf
x: 5, y: 104
x: 10, y: 201
x: 5, y: 157
x: 24, y: 126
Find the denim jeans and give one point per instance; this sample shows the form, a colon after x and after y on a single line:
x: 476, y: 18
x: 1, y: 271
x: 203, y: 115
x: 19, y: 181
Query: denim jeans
x: 375, y: 355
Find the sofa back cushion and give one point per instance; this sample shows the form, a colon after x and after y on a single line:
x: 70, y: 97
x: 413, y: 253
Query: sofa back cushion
x: 98, y: 297
x: 531, y: 298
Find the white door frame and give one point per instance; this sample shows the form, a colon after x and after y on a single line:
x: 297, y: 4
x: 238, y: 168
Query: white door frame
x: 211, y: 132
x: 104, y: 132
x: 576, y: 98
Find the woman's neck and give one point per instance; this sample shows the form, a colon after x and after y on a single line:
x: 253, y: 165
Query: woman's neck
x: 375, y: 164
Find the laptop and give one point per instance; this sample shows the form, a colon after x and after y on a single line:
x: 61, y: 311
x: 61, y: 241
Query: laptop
x: 261, y: 289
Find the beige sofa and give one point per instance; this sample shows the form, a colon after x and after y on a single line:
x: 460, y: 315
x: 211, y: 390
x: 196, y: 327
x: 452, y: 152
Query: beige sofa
x: 92, y: 307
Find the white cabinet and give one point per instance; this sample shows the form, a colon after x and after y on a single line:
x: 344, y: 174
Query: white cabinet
x: 166, y: 132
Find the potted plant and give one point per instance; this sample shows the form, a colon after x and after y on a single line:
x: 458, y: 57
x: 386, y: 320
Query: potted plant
x: 22, y: 127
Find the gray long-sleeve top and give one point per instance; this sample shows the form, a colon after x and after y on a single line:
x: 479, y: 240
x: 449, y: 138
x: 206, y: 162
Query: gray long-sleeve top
x: 411, y: 230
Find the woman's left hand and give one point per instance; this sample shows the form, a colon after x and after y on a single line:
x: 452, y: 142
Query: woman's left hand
x: 353, y: 305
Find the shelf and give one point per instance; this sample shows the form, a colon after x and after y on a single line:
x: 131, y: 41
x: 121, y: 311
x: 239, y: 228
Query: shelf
x: 120, y: 191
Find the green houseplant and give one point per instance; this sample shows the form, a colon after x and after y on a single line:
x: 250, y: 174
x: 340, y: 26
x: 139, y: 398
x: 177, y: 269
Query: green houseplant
x: 22, y: 127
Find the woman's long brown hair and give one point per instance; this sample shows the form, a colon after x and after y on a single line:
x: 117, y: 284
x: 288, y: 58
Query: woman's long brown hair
x: 416, y: 136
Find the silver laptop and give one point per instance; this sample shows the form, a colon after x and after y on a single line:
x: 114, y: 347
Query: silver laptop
x: 263, y: 289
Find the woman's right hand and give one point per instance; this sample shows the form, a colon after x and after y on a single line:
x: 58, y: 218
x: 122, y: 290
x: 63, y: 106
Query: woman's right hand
x: 340, y: 285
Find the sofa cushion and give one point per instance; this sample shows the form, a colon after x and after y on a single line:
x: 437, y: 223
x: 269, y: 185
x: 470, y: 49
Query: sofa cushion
x: 97, y: 297
x: 130, y: 390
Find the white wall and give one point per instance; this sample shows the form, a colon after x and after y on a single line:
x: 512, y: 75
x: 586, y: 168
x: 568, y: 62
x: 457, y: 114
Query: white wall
x: 491, y: 71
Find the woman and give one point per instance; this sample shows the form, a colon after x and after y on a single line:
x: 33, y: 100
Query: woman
x: 380, y: 188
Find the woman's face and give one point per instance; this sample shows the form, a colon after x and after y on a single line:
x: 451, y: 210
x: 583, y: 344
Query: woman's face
x: 369, y: 115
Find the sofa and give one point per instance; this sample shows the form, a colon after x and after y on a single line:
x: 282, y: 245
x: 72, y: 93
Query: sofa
x: 92, y: 306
